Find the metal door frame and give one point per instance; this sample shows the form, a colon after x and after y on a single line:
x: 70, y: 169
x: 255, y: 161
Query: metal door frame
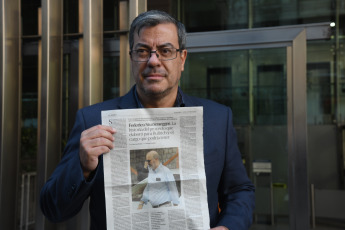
x: 294, y: 38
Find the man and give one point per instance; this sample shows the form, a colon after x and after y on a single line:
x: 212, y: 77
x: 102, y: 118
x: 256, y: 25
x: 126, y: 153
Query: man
x: 158, y: 54
x: 161, y: 189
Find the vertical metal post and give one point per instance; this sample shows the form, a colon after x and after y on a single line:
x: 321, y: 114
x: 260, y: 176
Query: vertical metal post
x: 10, y: 110
x: 50, y: 96
x: 338, y: 102
x: 272, y: 200
x: 125, y: 73
x: 22, y: 216
x: 297, y: 133
x: 82, y: 220
x: 27, y: 200
x: 312, y: 198
x: 128, y: 11
x: 93, y: 52
x: 251, y: 92
x: 250, y: 14
x: 27, y: 203
x: 136, y: 7
x: 81, y: 55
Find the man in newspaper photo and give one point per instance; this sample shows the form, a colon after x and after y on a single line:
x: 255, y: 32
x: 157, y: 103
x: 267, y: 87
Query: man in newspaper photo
x: 161, y: 190
x: 158, y: 53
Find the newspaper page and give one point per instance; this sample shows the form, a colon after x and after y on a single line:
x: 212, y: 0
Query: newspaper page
x: 154, y: 178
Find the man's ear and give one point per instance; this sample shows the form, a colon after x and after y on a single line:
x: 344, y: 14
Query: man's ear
x: 183, y: 55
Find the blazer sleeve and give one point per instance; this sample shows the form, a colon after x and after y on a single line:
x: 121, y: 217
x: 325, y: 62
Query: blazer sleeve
x: 64, y: 193
x: 236, y: 191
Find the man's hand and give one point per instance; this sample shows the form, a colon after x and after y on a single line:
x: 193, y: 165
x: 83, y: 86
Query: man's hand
x: 140, y: 206
x: 219, y: 228
x: 94, y: 142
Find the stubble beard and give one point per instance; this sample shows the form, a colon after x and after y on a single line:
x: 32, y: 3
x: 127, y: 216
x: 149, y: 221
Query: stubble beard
x: 156, y: 93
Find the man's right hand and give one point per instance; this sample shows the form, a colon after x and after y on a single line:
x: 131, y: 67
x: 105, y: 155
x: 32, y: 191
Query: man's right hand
x: 140, y: 206
x: 94, y: 142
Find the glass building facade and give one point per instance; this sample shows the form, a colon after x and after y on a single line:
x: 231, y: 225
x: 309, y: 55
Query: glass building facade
x: 279, y: 65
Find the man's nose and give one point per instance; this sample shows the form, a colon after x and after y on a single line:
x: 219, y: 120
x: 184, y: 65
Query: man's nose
x: 154, y: 58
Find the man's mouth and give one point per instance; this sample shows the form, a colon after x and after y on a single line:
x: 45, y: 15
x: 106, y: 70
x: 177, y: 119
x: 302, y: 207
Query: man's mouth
x: 154, y: 77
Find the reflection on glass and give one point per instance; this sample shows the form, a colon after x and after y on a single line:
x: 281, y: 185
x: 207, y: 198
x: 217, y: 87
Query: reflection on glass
x: 270, y: 94
x: 110, y: 15
x: 319, y: 93
x: 326, y: 134
x: 29, y: 13
x: 29, y: 113
x: 211, y: 15
x: 111, y: 77
x: 253, y: 83
x: 205, y: 15
x: 70, y: 87
x: 70, y: 16
x: 220, y: 76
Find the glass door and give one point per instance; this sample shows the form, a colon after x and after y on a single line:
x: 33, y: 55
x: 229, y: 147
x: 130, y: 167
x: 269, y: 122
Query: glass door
x: 261, y: 75
x: 253, y: 83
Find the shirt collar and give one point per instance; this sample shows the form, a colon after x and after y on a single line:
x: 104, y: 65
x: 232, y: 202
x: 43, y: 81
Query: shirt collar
x: 179, y: 102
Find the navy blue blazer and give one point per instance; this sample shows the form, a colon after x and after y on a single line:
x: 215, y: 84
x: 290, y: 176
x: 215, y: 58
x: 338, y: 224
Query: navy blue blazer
x: 227, y: 183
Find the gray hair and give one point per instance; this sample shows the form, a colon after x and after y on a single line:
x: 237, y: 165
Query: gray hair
x: 153, y: 18
x: 154, y: 154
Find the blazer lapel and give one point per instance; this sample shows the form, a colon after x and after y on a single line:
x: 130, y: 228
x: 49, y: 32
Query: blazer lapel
x: 189, y: 101
x: 128, y: 100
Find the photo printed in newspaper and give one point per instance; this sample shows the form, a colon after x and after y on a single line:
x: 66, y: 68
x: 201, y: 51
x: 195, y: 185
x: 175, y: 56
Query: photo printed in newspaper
x: 154, y: 177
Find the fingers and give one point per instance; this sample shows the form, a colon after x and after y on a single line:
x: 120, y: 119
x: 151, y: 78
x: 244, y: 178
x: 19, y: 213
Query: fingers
x: 99, y: 131
x: 99, y: 135
x: 90, y: 142
x: 94, y: 142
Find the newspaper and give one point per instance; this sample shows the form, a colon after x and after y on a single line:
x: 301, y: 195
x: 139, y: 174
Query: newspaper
x: 172, y: 196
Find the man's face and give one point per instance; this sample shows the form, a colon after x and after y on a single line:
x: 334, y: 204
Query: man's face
x: 155, y: 78
x: 149, y: 161
x: 152, y: 163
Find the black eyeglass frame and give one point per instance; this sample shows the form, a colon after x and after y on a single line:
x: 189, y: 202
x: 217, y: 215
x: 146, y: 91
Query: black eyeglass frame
x: 157, y: 54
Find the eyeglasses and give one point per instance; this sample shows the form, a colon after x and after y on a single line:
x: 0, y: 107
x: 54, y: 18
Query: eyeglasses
x: 148, y: 161
x: 163, y: 54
